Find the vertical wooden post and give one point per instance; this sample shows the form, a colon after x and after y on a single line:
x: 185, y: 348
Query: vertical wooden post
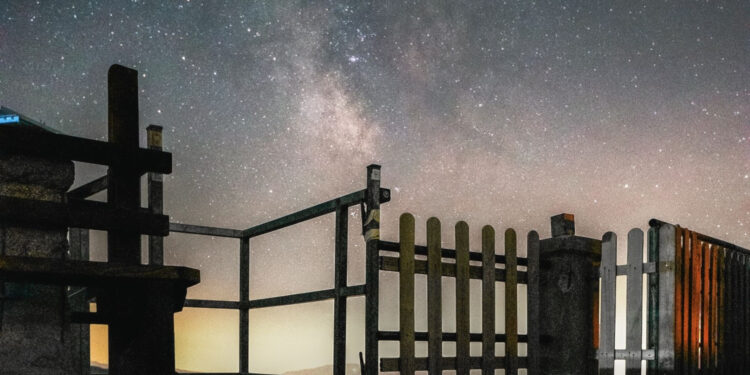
x: 668, y: 246
x: 634, y: 306
x: 434, y: 297
x: 653, y: 299
x: 406, y: 293
x: 488, y: 300
x: 244, y: 304
x: 721, y: 295
x: 463, y: 304
x: 511, y: 304
x: 339, y: 303
x: 372, y: 268
x: 533, y: 301
x: 79, y: 250
x: 155, y: 196
x: 124, y: 185
x: 607, y: 307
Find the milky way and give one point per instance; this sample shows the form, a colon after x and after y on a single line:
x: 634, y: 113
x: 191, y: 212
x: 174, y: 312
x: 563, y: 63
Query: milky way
x: 501, y: 113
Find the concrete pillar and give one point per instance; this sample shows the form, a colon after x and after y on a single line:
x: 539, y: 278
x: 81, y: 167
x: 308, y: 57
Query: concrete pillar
x: 569, y: 293
x: 34, y: 337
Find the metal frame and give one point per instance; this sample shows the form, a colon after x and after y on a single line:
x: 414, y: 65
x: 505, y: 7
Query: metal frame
x: 370, y: 199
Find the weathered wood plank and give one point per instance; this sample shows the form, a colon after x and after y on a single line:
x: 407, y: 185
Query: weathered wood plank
x: 652, y: 328
x: 434, y: 297
x: 714, y: 324
x: 668, y: 244
x: 463, y: 305
x: 721, y: 284
x: 607, y: 307
x: 88, y: 189
x: 406, y: 293
x: 155, y: 186
x: 81, y: 214
x: 82, y: 273
x: 634, y: 302
x: 371, y: 231
x: 449, y: 269
x: 447, y: 336
x: 449, y: 253
x: 24, y: 141
x: 680, y: 334
x: 533, y: 302
x: 488, y: 300
x: 511, y: 304
x: 392, y: 364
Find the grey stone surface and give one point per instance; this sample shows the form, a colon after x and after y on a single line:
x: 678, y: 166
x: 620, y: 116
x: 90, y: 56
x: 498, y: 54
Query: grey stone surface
x: 34, y: 337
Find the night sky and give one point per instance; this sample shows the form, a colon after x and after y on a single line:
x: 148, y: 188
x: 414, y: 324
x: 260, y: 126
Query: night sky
x: 494, y: 112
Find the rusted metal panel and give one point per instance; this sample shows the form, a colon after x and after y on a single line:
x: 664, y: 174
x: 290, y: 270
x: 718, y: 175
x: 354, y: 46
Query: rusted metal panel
x: 406, y: 293
x: 607, y: 307
x: 694, y: 319
x: 633, y: 328
x: 434, y: 297
x: 721, y: 295
x: 511, y: 304
x: 714, y: 313
x: 533, y: 301
x: 340, y: 281
x: 488, y: 300
x: 463, y: 305
x: 705, y: 343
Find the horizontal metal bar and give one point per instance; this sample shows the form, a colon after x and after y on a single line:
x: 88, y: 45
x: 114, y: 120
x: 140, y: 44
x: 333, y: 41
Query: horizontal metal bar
x: 88, y: 189
x: 312, y: 212
x: 320, y: 295
x: 446, y: 253
x: 447, y: 336
x: 203, y: 230
x: 293, y: 299
x: 420, y: 364
x: 212, y: 304
x: 448, y: 269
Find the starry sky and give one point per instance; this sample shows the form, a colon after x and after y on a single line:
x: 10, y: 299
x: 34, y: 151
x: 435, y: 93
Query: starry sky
x: 493, y: 112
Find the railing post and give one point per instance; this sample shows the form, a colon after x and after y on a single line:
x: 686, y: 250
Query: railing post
x: 372, y: 280
x: 339, y: 303
x: 155, y: 196
x: 568, y: 286
x: 244, y: 302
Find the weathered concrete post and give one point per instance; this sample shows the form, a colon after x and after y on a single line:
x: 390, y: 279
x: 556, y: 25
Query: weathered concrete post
x: 569, y: 295
x: 33, y: 316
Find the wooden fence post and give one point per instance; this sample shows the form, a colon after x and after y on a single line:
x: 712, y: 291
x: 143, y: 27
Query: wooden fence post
x: 434, y: 297
x: 511, y: 304
x: 608, y: 308
x: 533, y: 303
x: 406, y: 293
x: 634, y: 326
x: 155, y: 196
x: 463, y: 304
x: 488, y: 300
x: 372, y: 269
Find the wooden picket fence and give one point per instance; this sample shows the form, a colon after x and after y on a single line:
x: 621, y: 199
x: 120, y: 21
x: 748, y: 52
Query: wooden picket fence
x: 698, y: 306
x: 435, y: 267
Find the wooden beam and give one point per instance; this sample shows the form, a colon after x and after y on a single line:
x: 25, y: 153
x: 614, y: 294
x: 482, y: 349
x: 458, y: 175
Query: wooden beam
x: 448, y: 269
x: 203, y: 230
x: 448, y: 253
x: 30, y: 142
x: 81, y: 214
